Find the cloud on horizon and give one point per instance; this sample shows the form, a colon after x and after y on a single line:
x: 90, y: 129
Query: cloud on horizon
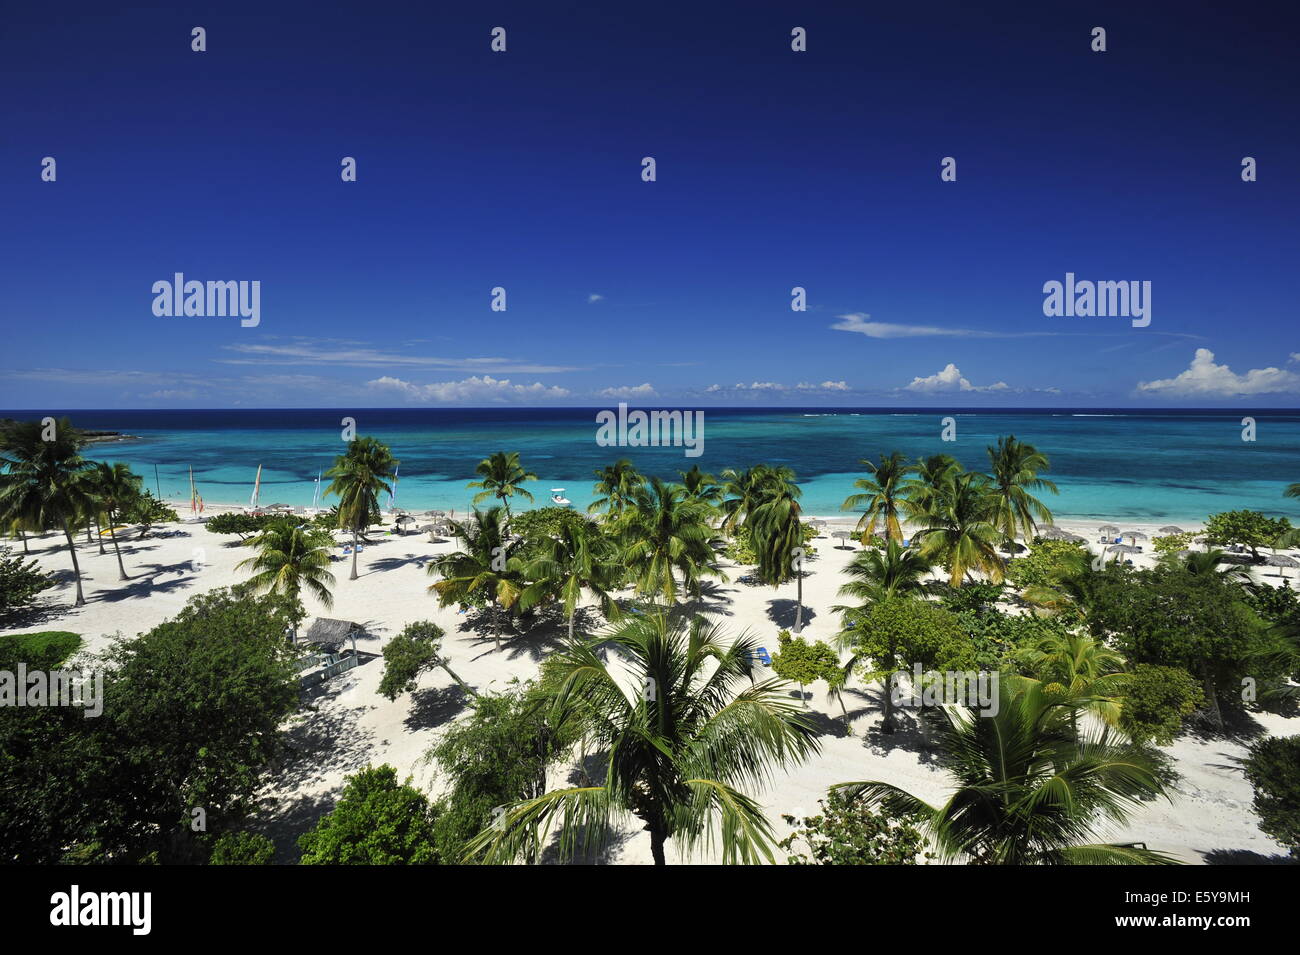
x: 1205, y: 377
x: 474, y: 388
x: 950, y: 380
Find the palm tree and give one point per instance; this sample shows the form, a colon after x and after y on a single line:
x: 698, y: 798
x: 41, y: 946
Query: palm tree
x: 43, y: 484
x: 877, y: 576
x: 486, y: 569
x: 614, y: 488
x: 777, y: 534
x: 684, y: 744
x: 664, y: 533
x: 113, y: 487
x: 501, y: 476
x: 1076, y: 667
x: 579, y: 558
x: 958, y: 530
x: 930, y: 481
x: 701, y: 487
x: 1207, y: 562
x: 291, y: 557
x: 744, y: 491
x: 1014, y: 467
x: 359, y: 477
x: 1030, y: 788
x: 882, y: 496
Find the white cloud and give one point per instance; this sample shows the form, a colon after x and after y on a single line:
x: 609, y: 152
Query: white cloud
x: 474, y: 388
x: 351, y: 354
x: 645, y: 390
x: 1204, y: 377
x: 824, y: 386
x: 595, y: 297
x: 949, y: 380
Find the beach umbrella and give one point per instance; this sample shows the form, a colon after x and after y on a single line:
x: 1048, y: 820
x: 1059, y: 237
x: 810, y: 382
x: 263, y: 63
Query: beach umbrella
x: 1075, y: 538
x: 842, y: 536
x: 1124, y: 548
x: 1281, y: 560
x: 1053, y: 533
x: 1172, y: 529
x: 1108, y: 529
x: 1134, y: 535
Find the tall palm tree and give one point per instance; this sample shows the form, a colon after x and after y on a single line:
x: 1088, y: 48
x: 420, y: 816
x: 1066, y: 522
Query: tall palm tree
x: 743, y: 491
x: 881, y: 497
x: 687, y: 730
x: 1014, y: 467
x: 665, y: 534
x: 113, y: 487
x: 776, y: 530
x: 486, y: 569
x: 43, y: 484
x: 359, y: 476
x: 930, y: 480
x: 614, y: 488
x: 579, y: 557
x: 958, y: 530
x: 291, y: 557
x: 1030, y: 789
x: 502, y: 476
x: 877, y: 576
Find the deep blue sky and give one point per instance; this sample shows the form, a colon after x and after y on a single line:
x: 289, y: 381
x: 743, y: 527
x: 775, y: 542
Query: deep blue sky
x: 775, y: 169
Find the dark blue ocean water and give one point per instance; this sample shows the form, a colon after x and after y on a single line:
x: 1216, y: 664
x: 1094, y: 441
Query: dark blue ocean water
x: 1113, y: 464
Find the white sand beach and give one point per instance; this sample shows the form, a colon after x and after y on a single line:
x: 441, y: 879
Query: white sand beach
x: 348, y: 725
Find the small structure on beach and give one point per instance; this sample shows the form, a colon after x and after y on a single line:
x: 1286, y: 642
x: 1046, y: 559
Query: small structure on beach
x: 326, y: 637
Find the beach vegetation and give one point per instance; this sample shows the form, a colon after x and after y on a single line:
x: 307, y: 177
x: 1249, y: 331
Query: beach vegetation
x: 377, y: 821
x: 502, y: 476
x: 665, y: 535
x: 880, y: 496
x: 1156, y: 700
x: 1273, y: 769
x: 291, y: 558
x: 358, y: 477
x: 413, y: 651
x: 486, y: 572
x: 614, y: 488
x: 1032, y: 785
x: 694, y: 732
x: 21, y: 582
x: 847, y: 832
x: 242, y: 848
x: 1014, y: 467
x: 802, y: 662
x: 1249, y: 529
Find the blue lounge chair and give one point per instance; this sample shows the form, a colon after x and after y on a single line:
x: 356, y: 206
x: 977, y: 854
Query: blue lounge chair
x: 764, y: 657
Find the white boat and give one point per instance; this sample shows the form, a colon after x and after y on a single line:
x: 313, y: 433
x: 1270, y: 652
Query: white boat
x: 558, y: 498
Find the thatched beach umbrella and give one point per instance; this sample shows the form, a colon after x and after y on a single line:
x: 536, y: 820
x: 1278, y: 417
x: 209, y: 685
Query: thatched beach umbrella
x: 1280, y: 561
x: 1074, y: 538
x: 1108, y: 529
x: 1133, y: 535
x: 1172, y: 529
x: 1053, y: 533
x: 1124, y: 548
x: 842, y: 536
x: 403, y: 520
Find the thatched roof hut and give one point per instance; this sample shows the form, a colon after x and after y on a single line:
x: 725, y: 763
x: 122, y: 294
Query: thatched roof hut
x: 331, y: 633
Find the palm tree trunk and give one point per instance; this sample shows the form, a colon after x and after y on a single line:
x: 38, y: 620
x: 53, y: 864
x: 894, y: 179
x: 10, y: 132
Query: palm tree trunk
x: 496, y: 626
x: 571, y: 616
x: 23, y: 534
x: 657, y: 839
x: 76, y: 567
x: 88, y: 538
x: 121, y: 570
x: 99, y: 532
x: 798, y: 612
x: 1212, y: 701
x: 354, y: 554
x: 887, y: 722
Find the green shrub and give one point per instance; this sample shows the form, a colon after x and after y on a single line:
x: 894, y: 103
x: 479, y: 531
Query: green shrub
x: 377, y: 821
x: 1156, y: 701
x: 1273, y: 768
x: 47, y: 650
x: 242, y: 848
x: 20, y: 581
x: 849, y: 833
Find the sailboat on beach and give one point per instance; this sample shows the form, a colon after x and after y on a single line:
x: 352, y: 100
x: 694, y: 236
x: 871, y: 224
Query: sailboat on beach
x: 257, y: 487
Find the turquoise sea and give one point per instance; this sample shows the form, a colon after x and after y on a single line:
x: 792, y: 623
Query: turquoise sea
x: 1142, y: 465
